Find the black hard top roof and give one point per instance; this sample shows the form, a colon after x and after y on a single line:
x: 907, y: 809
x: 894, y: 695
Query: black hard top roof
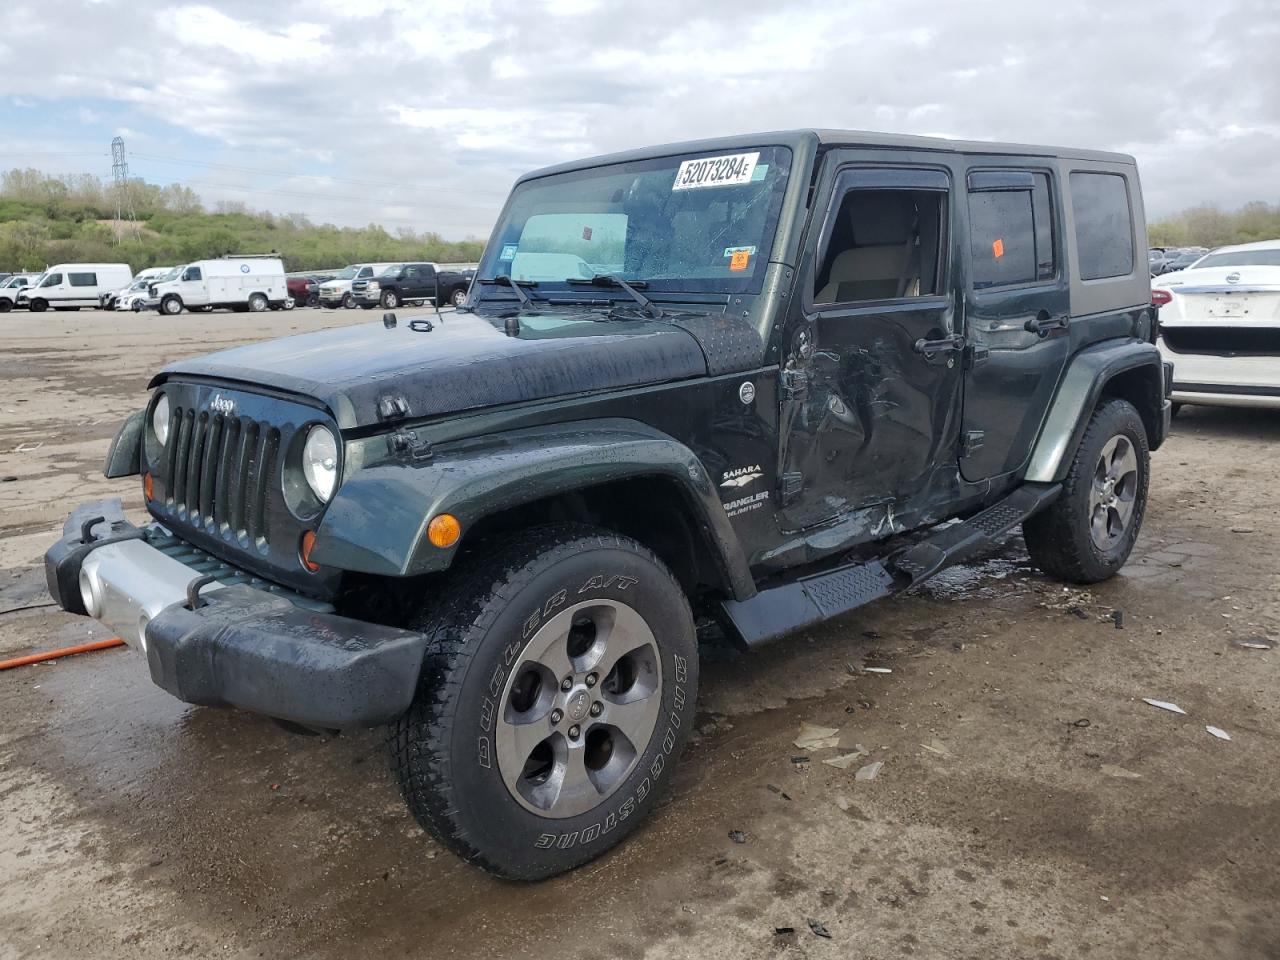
x: 831, y: 138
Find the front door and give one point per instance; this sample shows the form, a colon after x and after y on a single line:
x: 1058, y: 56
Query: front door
x: 1017, y: 311
x: 872, y: 369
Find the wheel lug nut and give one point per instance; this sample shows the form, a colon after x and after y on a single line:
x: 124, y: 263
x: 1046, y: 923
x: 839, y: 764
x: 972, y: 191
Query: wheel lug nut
x: 574, y: 731
x: 566, y: 684
x: 557, y: 715
x: 591, y: 679
x: 597, y: 708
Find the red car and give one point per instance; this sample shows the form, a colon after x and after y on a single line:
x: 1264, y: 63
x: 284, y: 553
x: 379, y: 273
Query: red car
x: 304, y: 290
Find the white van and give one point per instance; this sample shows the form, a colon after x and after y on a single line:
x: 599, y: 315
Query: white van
x: 70, y: 286
x: 237, y: 283
x: 10, y: 287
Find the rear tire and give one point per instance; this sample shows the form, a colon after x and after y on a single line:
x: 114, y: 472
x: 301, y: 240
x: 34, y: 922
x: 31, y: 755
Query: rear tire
x: 1086, y: 535
x: 459, y: 297
x: 258, y: 303
x: 498, y: 760
x: 5, y: 305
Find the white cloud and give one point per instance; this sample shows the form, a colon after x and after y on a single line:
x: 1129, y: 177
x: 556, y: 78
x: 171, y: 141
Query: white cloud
x: 360, y: 110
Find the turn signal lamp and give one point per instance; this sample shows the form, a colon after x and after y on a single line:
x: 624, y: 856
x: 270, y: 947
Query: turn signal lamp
x: 444, y: 530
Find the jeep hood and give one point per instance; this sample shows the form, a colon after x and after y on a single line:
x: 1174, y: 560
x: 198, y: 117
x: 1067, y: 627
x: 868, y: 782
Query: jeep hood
x: 467, y: 362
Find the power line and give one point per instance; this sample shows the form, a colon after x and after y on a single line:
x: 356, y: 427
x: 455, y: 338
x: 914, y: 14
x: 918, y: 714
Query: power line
x: 271, y: 173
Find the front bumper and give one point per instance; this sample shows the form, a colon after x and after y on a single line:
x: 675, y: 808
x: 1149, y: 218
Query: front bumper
x: 229, y: 643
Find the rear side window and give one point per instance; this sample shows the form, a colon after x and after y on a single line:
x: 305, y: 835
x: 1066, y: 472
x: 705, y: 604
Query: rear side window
x: 83, y: 279
x: 1011, y: 236
x: 1104, y: 225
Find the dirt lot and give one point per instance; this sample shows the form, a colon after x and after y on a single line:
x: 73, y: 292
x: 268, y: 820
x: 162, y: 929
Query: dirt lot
x: 1030, y: 804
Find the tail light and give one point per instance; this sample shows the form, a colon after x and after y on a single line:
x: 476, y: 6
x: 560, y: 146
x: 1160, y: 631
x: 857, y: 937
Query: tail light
x: 1160, y: 297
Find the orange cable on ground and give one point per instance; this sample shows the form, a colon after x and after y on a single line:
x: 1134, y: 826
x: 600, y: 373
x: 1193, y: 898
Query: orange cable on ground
x: 64, y: 652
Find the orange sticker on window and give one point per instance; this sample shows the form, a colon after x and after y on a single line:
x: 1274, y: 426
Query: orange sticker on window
x: 997, y: 248
x: 739, y: 260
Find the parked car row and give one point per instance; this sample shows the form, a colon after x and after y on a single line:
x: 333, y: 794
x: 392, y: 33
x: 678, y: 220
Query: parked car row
x: 1220, y: 325
x: 1161, y: 260
x: 240, y: 283
x: 369, y: 285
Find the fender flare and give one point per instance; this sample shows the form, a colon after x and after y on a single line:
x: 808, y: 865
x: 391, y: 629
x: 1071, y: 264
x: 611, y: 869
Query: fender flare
x: 1087, y: 375
x: 124, y: 458
x: 377, y: 521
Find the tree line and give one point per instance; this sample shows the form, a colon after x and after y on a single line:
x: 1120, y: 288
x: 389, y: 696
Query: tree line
x: 47, y: 219
x: 1209, y: 226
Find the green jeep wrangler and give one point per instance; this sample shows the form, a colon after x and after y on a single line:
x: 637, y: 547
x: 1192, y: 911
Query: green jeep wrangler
x: 763, y: 379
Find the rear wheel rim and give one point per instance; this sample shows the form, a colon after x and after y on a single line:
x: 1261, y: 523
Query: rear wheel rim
x: 1113, y: 493
x: 579, y: 709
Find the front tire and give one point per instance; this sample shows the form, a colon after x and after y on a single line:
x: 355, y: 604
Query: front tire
x: 390, y: 300
x: 349, y: 301
x: 459, y: 297
x: 171, y: 305
x: 1086, y: 535
x: 555, y: 696
x: 38, y: 306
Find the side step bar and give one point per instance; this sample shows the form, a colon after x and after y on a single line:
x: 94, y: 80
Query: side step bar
x: 809, y: 600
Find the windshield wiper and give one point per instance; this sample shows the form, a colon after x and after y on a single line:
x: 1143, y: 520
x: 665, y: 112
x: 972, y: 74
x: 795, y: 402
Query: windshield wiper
x: 502, y: 280
x: 610, y: 280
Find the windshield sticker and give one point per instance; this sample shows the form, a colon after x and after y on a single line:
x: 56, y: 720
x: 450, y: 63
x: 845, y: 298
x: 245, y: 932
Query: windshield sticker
x: 739, y: 261
x: 730, y: 171
x: 509, y: 251
x: 730, y: 251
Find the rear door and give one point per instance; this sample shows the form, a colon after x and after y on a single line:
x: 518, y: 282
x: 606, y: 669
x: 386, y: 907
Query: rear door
x: 1017, y: 305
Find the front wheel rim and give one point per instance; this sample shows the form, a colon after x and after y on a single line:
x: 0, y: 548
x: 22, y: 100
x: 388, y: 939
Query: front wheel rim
x: 579, y: 709
x: 1113, y: 493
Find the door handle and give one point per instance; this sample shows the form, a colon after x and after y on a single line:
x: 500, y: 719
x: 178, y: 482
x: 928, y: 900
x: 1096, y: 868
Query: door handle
x: 939, y: 351
x: 1042, y: 324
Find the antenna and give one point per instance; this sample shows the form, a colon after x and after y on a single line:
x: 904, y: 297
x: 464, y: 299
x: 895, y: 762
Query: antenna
x: 120, y: 180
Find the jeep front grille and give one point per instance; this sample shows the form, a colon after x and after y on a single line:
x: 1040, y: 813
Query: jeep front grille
x: 217, y: 472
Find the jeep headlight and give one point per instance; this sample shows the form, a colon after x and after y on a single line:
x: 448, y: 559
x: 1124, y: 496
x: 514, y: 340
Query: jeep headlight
x: 160, y: 419
x: 320, y: 462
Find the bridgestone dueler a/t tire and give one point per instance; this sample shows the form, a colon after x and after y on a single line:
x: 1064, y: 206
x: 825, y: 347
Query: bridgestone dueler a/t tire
x: 1058, y: 538
x: 443, y: 748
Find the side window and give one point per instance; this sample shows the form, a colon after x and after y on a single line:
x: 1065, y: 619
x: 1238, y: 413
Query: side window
x: 52, y: 280
x: 83, y: 279
x: 1104, y: 225
x: 885, y: 244
x: 365, y: 272
x: 192, y: 273
x: 1011, y: 236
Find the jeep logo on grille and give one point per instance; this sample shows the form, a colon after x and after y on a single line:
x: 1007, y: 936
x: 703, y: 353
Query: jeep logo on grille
x: 223, y: 405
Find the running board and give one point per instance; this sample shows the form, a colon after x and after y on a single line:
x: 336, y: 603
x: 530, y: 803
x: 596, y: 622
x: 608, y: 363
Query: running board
x: 780, y: 609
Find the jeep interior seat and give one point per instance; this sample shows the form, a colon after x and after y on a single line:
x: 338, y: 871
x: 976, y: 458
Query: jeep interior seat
x: 884, y: 260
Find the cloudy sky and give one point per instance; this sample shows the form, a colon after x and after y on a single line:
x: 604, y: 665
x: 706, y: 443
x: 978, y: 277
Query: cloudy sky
x: 418, y: 113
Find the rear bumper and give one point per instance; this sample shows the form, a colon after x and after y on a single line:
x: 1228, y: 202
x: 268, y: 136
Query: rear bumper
x: 230, y: 645
x: 1224, y: 380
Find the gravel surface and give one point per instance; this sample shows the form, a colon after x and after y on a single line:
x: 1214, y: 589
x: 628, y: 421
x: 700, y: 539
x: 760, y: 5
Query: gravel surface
x: 1030, y: 803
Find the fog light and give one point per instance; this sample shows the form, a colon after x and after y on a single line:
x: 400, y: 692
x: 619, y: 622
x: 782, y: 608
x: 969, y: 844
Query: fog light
x: 89, y: 595
x: 444, y: 530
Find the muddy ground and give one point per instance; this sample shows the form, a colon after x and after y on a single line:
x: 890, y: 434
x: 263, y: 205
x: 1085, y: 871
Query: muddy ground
x: 1030, y: 804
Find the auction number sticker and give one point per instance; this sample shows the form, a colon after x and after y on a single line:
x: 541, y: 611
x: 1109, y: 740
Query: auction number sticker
x: 732, y: 171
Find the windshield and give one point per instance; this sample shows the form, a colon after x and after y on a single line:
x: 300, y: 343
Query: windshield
x: 695, y: 223
x: 1242, y: 258
x: 346, y: 273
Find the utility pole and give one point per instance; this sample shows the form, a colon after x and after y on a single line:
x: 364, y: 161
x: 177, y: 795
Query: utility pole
x: 120, y: 179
